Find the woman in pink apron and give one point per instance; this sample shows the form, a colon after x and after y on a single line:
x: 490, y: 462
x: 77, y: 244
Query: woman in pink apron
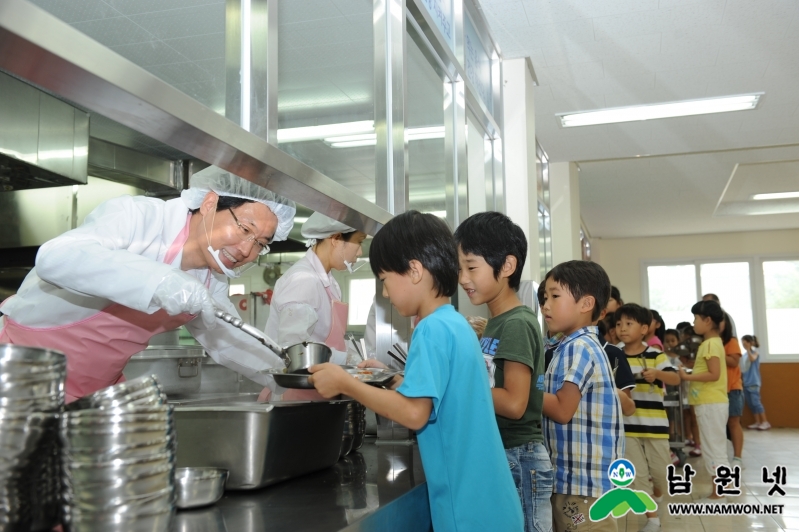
x: 140, y: 266
x: 306, y: 303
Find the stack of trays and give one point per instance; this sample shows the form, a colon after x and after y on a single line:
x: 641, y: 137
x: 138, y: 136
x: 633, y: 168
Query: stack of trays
x: 118, y: 458
x: 31, y: 399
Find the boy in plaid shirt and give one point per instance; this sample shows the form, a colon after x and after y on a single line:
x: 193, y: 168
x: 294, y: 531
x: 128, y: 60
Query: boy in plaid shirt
x: 584, y: 426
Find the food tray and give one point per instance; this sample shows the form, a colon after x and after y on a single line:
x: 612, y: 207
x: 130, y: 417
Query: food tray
x: 372, y: 376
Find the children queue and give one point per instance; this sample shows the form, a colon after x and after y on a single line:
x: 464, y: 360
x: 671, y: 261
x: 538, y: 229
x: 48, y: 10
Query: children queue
x: 508, y: 443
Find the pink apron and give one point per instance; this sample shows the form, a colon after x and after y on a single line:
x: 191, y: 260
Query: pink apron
x: 338, y: 323
x: 99, y: 347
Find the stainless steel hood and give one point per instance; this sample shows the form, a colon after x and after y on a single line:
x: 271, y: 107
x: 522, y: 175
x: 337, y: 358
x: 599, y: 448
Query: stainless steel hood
x: 47, y: 52
x: 43, y: 141
x: 156, y: 176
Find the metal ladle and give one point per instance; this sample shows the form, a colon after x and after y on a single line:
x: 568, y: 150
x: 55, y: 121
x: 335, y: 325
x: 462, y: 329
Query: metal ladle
x: 298, y: 357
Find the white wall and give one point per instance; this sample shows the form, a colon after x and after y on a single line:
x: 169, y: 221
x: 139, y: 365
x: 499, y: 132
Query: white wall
x: 519, y: 157
x: 564, y: 209
x: 622, y: 257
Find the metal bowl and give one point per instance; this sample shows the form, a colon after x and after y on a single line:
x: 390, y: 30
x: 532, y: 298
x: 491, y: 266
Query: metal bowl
x: 199, y: 486
x: 303, y: 356
x: 90, y: 522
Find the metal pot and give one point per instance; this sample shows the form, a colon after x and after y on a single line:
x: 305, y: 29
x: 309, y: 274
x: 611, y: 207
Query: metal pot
x: 300, y: 357
x: 178, y: 368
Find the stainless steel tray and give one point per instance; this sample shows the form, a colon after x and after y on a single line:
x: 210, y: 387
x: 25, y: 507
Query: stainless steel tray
x: 259, y: 443
x: 373, y: 376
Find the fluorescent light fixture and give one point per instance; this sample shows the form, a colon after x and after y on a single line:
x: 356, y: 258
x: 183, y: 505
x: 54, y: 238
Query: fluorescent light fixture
x: 296, y: 134
x: 776, y: 195
x: 723, y: 104
x: 354, y: 143
x: 351, y: 134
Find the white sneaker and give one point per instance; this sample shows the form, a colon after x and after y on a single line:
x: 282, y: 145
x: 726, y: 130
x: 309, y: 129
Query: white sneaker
x: 764, y: 426
x: 754, y: 426
x: 737, y: 462
x: 650, y: 527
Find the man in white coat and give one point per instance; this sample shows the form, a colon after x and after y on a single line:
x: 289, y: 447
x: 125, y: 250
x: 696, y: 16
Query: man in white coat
x: 140, y: 266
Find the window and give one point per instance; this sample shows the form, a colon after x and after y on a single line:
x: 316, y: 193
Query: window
x: 730, y: 281
x: 767, y: 308
x: 781, y: 280
x: 672, y: 292
x: 362, y: 294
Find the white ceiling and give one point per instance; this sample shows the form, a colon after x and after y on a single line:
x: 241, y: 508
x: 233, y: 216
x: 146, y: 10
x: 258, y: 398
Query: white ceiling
x: 590, y: 54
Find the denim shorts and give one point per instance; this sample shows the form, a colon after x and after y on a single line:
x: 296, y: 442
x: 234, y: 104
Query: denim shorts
x: 736, y: 398
x: 533, y: 475
x: 752, y: 396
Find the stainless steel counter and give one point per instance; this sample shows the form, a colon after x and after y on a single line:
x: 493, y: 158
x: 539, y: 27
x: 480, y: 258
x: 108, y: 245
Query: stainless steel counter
x: 381, y: 487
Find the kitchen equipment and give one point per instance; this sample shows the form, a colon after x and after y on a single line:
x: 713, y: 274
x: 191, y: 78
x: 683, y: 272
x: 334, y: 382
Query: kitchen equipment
x: 373, y: 376
x: 118, y: 458
x: 354, y: 427
x: 178, y: 368
x: 397, y: 358
x: 199, y: 486
x: 258, y: 443
x: 296, y: 357
x: 402, y: 353
x: 31, y: 398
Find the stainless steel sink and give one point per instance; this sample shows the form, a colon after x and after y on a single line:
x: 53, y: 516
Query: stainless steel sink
x: 259, y: 443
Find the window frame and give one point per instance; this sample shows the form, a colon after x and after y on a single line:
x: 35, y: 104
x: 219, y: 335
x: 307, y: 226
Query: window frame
x: 757, y: 290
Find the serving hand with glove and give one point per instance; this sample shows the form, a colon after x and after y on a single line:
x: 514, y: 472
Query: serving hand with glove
x: 180, y: 293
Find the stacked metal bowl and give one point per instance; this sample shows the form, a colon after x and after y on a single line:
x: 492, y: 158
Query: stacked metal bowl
x: 31, y: 399
x: 354, y: 428
x: 118, y: 457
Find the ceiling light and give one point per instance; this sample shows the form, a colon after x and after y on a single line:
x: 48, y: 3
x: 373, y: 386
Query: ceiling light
x: 349, y: 138
x: 296, y: 134
x: 776, y: 195
x: 741, y: 102
x: 354, y: 143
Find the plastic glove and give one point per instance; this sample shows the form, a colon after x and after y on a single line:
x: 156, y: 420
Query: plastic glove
x: 179, y: 292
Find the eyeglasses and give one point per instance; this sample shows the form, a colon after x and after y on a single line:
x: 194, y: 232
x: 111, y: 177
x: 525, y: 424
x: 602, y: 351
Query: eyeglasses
x: 247, y: 236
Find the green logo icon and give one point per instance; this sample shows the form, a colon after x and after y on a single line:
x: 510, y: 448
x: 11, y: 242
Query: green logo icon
x: 620, y: 500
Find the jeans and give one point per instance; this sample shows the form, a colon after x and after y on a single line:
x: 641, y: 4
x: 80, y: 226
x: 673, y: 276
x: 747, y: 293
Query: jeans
x: 533, y: 475
x: 752, y: 396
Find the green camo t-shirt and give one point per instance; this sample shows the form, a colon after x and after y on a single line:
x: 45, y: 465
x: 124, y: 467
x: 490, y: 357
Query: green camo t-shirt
x: 516, y: 336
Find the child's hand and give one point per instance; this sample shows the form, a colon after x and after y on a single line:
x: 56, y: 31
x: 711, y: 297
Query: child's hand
x: 329, y: 379
x: 478, y: 324
x: 683, y: 374
x: 650, y: 375
x: 372, y: 363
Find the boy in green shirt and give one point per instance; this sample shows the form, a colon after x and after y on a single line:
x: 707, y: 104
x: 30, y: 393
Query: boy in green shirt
x: 491, y: 252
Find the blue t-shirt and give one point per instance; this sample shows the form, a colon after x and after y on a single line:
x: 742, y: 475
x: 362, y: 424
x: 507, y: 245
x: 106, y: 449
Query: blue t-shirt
x: 468, y: 479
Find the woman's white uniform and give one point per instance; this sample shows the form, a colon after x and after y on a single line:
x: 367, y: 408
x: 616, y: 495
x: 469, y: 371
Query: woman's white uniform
x: 117, y: 256
x: 301, y: 309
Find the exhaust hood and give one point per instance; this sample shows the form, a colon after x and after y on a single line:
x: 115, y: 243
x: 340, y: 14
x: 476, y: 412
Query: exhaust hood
x: 44, y: 142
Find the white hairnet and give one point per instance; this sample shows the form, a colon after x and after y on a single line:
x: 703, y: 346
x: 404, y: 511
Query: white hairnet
x: 318, y: 227
x: 224, y: 183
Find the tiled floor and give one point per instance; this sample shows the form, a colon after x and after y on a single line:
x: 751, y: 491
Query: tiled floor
x: 770, y: 448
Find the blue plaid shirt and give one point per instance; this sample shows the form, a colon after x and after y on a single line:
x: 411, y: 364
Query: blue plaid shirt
x: 583, y: 449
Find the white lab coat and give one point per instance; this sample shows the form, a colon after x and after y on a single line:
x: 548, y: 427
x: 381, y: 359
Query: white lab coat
x: 116, y: 257
x: 301, y: 310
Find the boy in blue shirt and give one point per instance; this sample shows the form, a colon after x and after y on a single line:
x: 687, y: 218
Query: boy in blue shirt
x: 492, y: 251
x: 445, y: 395
x: 584, y: 430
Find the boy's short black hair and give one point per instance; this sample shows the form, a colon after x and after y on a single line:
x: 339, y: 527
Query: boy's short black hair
x: 635, y: 312
x: 683, y: 325
x: 494, y: 236
x: 583, y: 278
x: 416, y: 236
x: 674, y: 332
x: 603, y: 328
x: 541, y: 293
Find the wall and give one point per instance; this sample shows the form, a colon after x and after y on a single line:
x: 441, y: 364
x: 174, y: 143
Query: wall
x: 564, y: 208
x: 622, y: 258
